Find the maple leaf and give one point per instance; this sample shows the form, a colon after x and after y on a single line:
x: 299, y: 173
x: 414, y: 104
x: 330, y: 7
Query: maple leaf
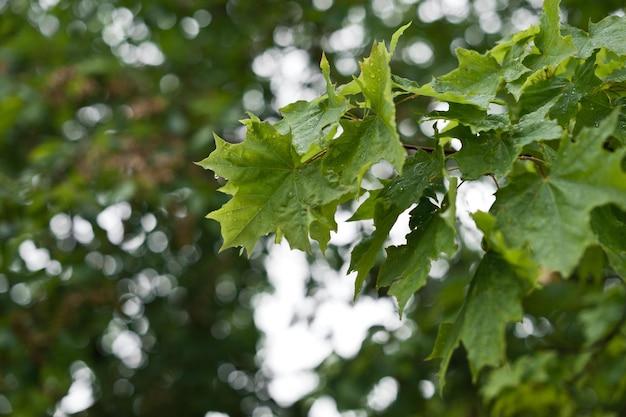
x: 609, y: 226
x: 495, y: 151
x: 407, y: 266
x: 314, y: 123
x: 273, y: 191
x: 551, y: 216
x: 553, y: 47
x: 492, y: 301
x: 311, y: 123
x: 420, y: 171
x: 609, y: 33
x: 475, y: 81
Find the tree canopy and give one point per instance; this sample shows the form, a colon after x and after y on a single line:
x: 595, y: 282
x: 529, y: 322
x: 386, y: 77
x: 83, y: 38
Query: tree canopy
x: 112, y: 281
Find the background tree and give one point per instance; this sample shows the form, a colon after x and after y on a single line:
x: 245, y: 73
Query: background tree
x: 110, y: 278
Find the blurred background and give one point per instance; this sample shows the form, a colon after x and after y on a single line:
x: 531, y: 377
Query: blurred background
x: 114, y: 300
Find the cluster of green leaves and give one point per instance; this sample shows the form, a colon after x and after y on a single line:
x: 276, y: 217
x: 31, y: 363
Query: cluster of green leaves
x: 542, y: 113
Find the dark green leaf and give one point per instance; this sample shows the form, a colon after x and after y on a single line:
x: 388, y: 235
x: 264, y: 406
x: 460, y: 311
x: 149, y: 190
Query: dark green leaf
x: 406, y: 268
x: 609, y: 226
x: 551, y: 215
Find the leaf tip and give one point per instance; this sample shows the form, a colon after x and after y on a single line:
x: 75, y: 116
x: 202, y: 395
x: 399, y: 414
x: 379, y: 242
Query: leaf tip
x: 396, y: 36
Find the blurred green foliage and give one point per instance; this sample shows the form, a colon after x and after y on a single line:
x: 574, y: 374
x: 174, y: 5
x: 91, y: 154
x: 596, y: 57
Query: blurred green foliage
x: 110, y: 275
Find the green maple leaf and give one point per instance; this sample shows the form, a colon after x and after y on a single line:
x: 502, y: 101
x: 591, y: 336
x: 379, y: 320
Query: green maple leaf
x: 273, y: 191
x: 539, y: 91
x: 375, y: 80
x: 475, y: 118
x: 494, y: 152
x: 311, y: 123
x: 554, y: 48
x: 492, y: 301
x: 407, y: 266
x: 584, y: 82
x: 551, y: 216
x: 475, y: 81
x: 289, y: 178
x: 609, y: 226
x: 513, y: 54
x: 365, y: 142
x: 489, y: 153
x: 610, y: 33
x: 364, y: 254
x: 420, y: 171
x: 362, y: 144
x: 314, y: 122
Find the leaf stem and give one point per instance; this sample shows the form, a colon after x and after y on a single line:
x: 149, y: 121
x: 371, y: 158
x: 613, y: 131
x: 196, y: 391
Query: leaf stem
x: 407, y: 98
x: 495, y: 180
x: 316, y: 156
x: 538, y: 163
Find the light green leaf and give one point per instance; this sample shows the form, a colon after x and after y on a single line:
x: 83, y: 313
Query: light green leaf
x: 519, y: 259
x: 533, y: 368
x: 609, y: 33
x: 554, y: 48
x: 273, y: 192
x: 512, y: 64
x: 375, y: 82
x: 475, y: 81
x: 335, y: 101
x: 580, y: 39
x: 551, y: 216
x: 445, y: 344
x: 396, y: 36
x: 362, y: 144
x: 505, y: 45
x: 311, y: 123
x: 365, y: 142
x: 314, y: 123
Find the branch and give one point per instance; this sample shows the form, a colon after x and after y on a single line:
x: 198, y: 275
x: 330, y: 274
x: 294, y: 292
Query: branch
x: 428, y: 149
